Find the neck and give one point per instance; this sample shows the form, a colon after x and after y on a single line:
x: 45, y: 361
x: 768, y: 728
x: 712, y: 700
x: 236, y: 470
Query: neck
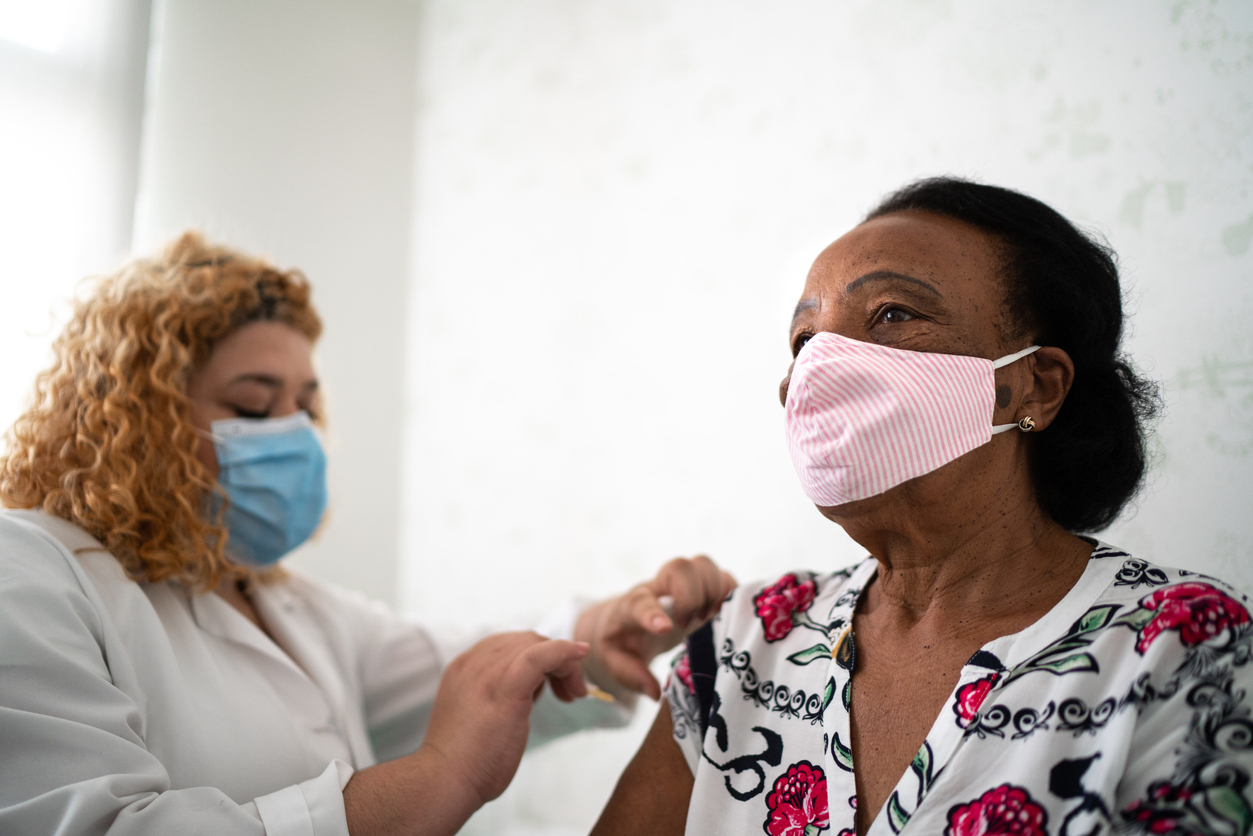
x: 232, y: 591
x: 1002, y: 557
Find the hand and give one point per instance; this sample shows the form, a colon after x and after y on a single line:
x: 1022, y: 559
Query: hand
x: 626, y: 632
x: 474, y: 740
x: 481, y: 716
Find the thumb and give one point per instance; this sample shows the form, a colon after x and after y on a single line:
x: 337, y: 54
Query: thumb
x: 528, y: 670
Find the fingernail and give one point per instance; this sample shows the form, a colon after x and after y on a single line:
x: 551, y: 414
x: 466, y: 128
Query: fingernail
x: 666, y: 602
x: 659, y: 622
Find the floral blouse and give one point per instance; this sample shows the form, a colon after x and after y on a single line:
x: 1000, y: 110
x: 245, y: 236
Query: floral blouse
x: 1125, y: 709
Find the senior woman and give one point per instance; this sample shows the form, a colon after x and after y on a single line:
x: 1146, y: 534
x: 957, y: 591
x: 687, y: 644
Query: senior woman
x: 958, y: 404
x: 159, y: 673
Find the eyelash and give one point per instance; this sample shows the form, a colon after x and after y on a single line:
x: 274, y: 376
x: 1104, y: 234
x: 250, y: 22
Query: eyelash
x: 889, y: 308
x: 804, y: 336
x: 244, y: 413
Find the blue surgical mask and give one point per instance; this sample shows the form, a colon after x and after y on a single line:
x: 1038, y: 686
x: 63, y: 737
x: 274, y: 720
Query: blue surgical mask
x: 273, y: 471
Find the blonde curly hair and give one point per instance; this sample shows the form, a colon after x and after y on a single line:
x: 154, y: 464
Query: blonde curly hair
x: 108, y: 442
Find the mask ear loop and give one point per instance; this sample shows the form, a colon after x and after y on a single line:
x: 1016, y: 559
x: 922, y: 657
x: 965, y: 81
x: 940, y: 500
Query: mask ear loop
x: 1015, y: 357
x: 1005, y: 361
x: 208, y: 436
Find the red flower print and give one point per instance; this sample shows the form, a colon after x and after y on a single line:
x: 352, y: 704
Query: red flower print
x: 852, y: 802
x: 970, y: 697
x: 683, y: 670
x: 776, y: 603
x: 1004, y: 810
x: 798, y: 802
x: 1197, y: 610
x: 1163, y: 810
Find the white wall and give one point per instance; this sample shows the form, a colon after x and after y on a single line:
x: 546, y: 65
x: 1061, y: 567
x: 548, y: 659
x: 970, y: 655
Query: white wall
x: 71, y: 104
x: 616, y: 202
x: 285, y: 128
x: 556, y: 308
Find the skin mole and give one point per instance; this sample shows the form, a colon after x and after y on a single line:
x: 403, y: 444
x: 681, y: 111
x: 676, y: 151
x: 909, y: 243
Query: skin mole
x: 1004, y: 394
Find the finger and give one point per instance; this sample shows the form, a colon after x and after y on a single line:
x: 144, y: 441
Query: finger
x: 727, y: 585
x: 691, y: 584
x: 568, y: 685
x: 632, y: 672
x: 529, y: 668
x: 716, y: 585
x: 644, y: 608
x: 712, y: 585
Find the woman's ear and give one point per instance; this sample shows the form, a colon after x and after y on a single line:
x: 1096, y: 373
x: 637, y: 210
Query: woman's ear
x: 1051, y: 372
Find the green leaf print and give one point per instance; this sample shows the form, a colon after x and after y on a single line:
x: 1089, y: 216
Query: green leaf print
x: 842, y: 754
x: 1230, y: 804
x: 1137, y: 619
x: 897, y: 817
x: 1070, y: 664
x: 827, y: 695
x: 922, y: 765
x: 810, y: 654
x: 1095, y: 618
x: 1060, y: 658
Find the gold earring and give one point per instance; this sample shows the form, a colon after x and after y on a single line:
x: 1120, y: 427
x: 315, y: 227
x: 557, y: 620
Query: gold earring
x: 1027, y: 424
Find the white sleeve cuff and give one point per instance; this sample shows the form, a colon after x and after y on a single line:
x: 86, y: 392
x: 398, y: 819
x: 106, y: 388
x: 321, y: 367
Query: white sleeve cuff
x: 311, y: 808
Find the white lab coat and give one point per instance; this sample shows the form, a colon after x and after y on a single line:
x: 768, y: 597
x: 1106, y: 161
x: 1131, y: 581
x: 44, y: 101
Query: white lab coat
x: 130, y: 708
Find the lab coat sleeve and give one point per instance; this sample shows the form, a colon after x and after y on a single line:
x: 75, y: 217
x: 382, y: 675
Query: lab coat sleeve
x: 72, y: 753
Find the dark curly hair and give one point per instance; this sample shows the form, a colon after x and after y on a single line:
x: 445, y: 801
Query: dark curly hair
x: 1062, y: 289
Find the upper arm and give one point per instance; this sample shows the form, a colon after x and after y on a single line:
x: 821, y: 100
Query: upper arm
x: 653, y: 793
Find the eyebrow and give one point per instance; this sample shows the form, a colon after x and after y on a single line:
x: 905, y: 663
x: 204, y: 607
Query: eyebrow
x: 888, y: 275
x: 267, y: 380
x: 804, y: 305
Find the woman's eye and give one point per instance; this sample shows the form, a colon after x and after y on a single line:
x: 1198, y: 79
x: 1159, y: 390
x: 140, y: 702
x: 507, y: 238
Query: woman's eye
x: 801, y: 339
x: 248, y: 413
x: 894, y: 315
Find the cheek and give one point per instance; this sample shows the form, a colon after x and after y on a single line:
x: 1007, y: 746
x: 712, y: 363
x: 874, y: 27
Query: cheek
x: 208, y: 457
x: 201, y: 417
x: 785, y: 382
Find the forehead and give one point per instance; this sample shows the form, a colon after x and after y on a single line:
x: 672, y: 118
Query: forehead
x: 955, y: 257
x: 273, y: 349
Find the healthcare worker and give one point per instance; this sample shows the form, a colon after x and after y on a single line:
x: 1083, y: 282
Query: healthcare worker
x: 161, y: 672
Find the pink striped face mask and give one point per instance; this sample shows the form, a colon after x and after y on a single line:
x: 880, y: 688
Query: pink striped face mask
x: 863, y: 418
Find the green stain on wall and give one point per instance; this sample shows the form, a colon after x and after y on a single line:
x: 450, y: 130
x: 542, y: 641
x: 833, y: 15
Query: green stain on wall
x: 1176, y: 191
x: 1217, y: 377
x: 1132, y: 210
x: 1228, y: 387
x: 1238, y: 237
